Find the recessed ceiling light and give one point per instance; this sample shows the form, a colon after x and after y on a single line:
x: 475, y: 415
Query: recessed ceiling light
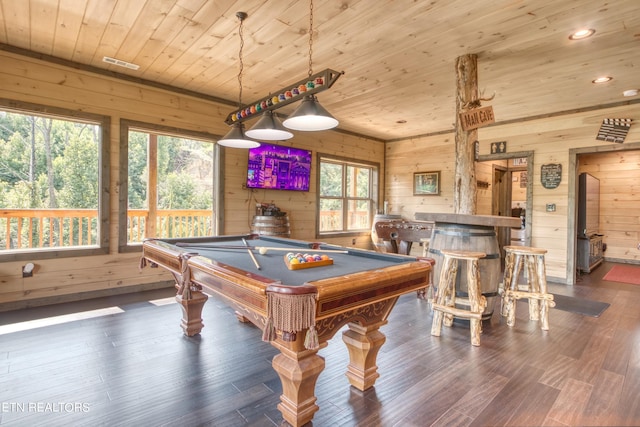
x: 400, y: 122
x: 602, y: 80
x: 630, y: 92
x: 582, y: 34
x: 120, y: 63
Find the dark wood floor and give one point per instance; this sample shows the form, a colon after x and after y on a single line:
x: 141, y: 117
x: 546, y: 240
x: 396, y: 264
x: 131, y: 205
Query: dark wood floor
x: 134, y: 367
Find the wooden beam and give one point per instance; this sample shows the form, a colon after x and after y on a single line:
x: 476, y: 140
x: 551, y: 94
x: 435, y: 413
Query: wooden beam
x: 152, y: 187
x: 465, y: 186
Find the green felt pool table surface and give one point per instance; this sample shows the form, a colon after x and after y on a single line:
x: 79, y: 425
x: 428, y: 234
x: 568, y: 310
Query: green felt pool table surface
x: 229, y: 251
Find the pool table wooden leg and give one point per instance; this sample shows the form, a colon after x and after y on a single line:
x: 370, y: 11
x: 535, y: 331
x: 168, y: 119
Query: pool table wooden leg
x: 363, y: 343
x: 298, y: 371
x: 192, y: 312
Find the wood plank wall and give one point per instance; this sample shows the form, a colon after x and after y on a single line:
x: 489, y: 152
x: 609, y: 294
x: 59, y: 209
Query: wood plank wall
x: 31, y: 80
x: 551, y: 139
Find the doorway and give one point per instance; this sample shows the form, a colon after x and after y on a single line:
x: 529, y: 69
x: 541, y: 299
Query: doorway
x: 618, y: 205
x: 511, y: 192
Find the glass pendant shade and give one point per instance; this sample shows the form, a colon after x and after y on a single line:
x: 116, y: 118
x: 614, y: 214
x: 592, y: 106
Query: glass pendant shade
x: 269, y: 128
x: 235, y: 138
x: 310, y: 116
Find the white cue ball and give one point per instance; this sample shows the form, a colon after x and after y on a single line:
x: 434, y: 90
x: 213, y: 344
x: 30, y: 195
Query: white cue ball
x: 262, y: 251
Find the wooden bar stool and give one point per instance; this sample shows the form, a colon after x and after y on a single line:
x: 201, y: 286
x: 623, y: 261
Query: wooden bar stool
x: 535, y: 288
x: 444, y: 304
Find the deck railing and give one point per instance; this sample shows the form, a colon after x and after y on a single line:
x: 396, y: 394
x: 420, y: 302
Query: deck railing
x: 169, y: 224
x: 332, y: 220
x: 51, y: 228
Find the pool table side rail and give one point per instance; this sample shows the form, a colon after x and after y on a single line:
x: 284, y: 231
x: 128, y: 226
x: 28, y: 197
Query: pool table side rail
x: 368, y: 287
x: 163, y: 255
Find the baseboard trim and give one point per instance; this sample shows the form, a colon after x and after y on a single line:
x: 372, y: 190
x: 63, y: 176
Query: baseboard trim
x: 80, y: 296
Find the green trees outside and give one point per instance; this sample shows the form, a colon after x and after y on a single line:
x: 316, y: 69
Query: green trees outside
x: 48, y: 163
x: 53, y: 163
x: 185, y: 170
x: 345, y: 192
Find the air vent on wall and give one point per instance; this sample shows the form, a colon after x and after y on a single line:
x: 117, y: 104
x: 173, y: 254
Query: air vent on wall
x: 614, y: 130
x: 120, y: 63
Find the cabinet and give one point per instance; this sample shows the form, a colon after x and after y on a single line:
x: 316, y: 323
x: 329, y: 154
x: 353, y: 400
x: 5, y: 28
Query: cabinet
x: 590, y: 253
x: 590, y: 247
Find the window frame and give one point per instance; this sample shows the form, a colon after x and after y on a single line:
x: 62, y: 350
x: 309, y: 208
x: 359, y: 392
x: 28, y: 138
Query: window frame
x: 126, y: 126
x: 102, y: 246
x: 373, y: 193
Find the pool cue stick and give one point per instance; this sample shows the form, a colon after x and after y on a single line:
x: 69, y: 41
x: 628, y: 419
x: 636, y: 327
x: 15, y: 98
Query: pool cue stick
x: 197, y: 246
x: 264, y: 249
x: 253, y: 257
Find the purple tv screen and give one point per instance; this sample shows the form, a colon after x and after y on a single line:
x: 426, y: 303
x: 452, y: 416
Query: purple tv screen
x: 279, y: 168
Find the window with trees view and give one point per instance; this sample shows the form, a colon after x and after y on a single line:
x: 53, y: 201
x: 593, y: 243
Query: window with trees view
x: 347, y: 195
x: 170, y: 188
x: 50, y: 182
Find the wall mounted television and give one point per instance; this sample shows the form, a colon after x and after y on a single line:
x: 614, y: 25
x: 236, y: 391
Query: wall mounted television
x: 276, y: 167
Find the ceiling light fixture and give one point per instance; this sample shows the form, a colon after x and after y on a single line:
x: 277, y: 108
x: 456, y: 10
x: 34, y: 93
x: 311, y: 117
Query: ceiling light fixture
x: 235, y: 137
x: 292, y: 93
x: 269, y: 128
x: 603, y: 79
x: 310, y: 115
x: 582, y: 34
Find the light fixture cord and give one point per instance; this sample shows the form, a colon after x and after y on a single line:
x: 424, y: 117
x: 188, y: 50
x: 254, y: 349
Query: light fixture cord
x: 310, y: 37
x: 241, y: 18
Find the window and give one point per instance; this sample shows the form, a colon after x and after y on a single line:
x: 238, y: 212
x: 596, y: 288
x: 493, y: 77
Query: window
x: 170, y: 184
x: 346, y: 196
x: 52, y: 182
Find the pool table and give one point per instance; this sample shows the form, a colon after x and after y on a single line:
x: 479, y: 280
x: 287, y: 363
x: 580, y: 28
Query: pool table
x: 298, y: 310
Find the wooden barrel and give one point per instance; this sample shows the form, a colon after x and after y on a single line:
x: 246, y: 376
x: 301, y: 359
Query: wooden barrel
x: 378, y: 244
x: 475, y: 238
x: 265, y: 225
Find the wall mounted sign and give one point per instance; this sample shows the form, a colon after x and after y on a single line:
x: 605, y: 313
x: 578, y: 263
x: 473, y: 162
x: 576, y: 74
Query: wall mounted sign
x: 614, y: 130
x: 499, y: 147
x: 477, y: 117
x: 523, y: 179
x: 551, y: 175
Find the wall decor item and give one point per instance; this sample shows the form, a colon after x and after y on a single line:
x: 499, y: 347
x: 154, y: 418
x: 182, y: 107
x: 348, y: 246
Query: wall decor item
x: 614, y: 130
x: 426, y: 183
x: 499, y: 147
x: 477, y: 117
x: 523, y: 179
x: 551, y: 175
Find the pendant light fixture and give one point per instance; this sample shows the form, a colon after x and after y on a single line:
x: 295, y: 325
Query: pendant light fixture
x: 310, y: 115
x: 235, y: 137
x: 269, y: 128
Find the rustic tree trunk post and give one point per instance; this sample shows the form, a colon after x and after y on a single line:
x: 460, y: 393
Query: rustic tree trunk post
x: 465, y: 185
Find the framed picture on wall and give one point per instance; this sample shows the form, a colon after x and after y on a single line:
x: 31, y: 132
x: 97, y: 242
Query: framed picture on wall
x: 426, y: 183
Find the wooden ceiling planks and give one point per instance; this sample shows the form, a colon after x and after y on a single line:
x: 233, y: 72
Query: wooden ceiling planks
x: 68, y: 21
x: 121, y: 21
x: 398, y: 56
x: 16, y: 23
x: 43, y: 26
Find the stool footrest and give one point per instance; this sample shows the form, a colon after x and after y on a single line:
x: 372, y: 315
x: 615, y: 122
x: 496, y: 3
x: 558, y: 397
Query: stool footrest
x: 466, y: 314
x: 532, y: 295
